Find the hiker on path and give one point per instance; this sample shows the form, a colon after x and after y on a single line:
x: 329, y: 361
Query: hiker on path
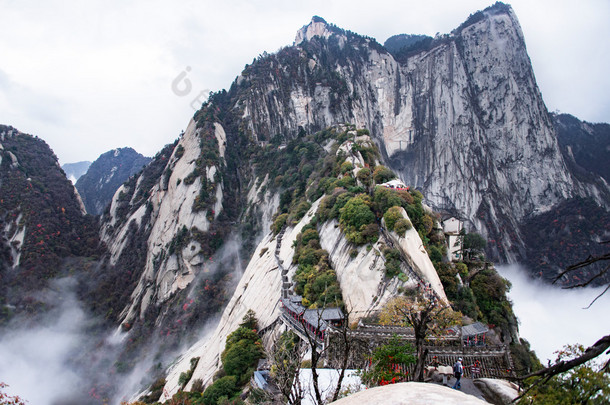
x: 458, y: 370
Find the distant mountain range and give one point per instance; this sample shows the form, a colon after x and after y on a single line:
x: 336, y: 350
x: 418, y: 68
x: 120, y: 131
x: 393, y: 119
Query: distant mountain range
x: 104, y: 176
x: 75, y: 170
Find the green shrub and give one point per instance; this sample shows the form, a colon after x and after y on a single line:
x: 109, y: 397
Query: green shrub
x: 190, y: 179
x: 179, y: 151
x: 309, y: 235
x: 364, y: 175
x: 241, y: 357
x: 392, y: 268
x: 346, y: 182
x: 435, y: 253
x: 381, y: 174
x: 428, y: 224
x: 356, y: 213
x: 325, y: 207
x: 402, y: 226
x: 241, y: 333
x: 309, y: 256
x: 185, y: 377
x: 489, y: 290
x: 300, y: 210
x: 392, y: 215
x: 416, y: 214
x: 406, y: 196
x: 314, y: 278
x: 342, y: 198
x: 474, y: 244
x: 249, y: 320
x: 355, y: 218
x: 223, y: 387
x: 279, y: 223
x: 197, y: 385
x: 392, y: 262
x: 346, y: 167
x: 156, y: 390
x: 462, y: 270
x: 417, y: 196
x: 369, y: 233
x: 384, y: 198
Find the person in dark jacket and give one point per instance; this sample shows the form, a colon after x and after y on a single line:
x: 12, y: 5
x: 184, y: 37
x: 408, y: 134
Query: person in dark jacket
x: 458, y: 370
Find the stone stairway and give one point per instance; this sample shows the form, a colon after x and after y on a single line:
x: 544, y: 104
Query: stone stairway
x: 286, y: 284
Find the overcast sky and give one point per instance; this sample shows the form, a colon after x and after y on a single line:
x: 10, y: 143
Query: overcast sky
x: 90, y: 76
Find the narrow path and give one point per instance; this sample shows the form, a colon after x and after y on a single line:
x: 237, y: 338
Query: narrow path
x: 286, y: 284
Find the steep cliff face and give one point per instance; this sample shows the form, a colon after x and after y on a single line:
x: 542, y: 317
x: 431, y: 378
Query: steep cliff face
x: 177, y: 196
x: 104, y: 176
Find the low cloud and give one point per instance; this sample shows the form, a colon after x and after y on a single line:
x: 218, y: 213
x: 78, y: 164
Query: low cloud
x: 38, y: 356
x: 550, y: 317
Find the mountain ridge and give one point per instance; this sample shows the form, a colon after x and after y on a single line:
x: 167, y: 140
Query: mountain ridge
x: 337, y: 77
x: 458, y: 120
x: 106, y: 174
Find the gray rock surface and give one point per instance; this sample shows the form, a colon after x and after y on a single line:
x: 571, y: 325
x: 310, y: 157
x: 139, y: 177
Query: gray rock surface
x: 411, y: 393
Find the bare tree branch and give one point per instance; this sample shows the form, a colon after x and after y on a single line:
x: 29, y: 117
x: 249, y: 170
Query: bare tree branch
x: 347, y: 348
x: 562, y: 366
x: 586, y: 283
x: 602, y: 293
x: 587, y: 262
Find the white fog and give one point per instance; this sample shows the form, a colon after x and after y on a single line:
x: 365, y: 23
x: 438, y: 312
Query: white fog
x: 550, y: 317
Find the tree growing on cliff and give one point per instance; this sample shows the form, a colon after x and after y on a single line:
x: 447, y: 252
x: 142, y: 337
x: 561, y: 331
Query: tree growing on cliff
x: 426, y: 315
x: 473, y: 245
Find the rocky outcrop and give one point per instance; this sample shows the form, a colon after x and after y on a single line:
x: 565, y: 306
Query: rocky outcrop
x: 172, y: 259
x: 259, y: 289
x: 498, y: 392
x: 411, y: 393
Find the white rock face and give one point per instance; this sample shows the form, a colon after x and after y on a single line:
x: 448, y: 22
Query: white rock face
x: 500, y: 390
x: 410, y: 393
x: 15, y: 234
x: 260, y: 290
x: 464, y: 122
x: 362, y: 278
x: 413, y: 249
x: 172, y: 210
x: 315, y: 28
